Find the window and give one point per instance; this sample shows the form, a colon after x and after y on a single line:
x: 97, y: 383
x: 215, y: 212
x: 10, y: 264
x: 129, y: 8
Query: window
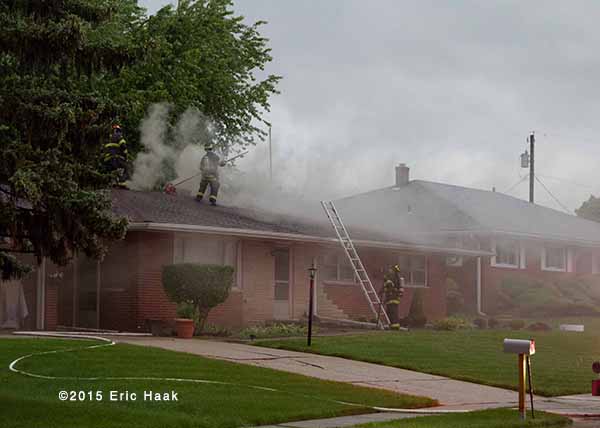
x: 282, y: 274
x: 413, y: 268
x: 204, y: 249
x: 453, y: 259
x: 335, y: 267
x: 554, y: 258
x: 508, y: 253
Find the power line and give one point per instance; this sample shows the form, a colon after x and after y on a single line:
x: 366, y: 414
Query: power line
x: 516, y: 184
x: 552, y: 195
x: 573, y: 183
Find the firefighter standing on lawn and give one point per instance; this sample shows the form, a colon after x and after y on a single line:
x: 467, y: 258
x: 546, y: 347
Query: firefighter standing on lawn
x: 116, y: 155
x: 393, y: 290
x: 209, y: 168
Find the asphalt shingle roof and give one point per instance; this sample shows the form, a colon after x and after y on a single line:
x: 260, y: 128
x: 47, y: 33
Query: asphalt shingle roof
x: 421, y: 207
x: 158, y: 207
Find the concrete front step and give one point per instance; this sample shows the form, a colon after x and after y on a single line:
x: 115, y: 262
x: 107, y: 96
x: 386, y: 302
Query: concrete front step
x: 326, y: 308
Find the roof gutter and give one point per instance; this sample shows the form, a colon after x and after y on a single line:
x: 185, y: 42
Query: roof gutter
x: 250, y: 233
x: 534, y: 236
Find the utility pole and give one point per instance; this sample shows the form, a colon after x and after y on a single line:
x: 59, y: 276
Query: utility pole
x: 531, y: 166
x: 270, y: 156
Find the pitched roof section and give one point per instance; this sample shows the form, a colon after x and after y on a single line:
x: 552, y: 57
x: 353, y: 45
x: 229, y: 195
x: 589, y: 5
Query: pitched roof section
x: 158, y: 207
x: 159, y: 211
x: 424, y: 207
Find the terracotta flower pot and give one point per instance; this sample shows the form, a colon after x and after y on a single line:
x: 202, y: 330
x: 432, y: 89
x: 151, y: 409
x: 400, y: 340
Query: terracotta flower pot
x: 185, y: 328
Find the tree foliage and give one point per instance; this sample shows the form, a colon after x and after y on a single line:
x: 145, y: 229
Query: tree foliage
x: 52, y: 121
x: 70, y: 68
x: 200, y: 55
x: 590, y: 209
x: 203, y: 286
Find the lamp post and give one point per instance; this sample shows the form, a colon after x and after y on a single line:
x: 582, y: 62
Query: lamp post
x: 312, y: 271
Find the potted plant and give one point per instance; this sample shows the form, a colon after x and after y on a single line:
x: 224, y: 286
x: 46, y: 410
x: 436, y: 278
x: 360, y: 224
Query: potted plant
x: 196, y: 289
x: 186, y: 323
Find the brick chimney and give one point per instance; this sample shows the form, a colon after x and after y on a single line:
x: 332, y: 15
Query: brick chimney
x: 402, y: 175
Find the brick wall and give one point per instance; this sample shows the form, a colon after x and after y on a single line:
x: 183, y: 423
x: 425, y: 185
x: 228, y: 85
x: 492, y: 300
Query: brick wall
x: 229, y: 313
x: 350, y: 298
x: 302, y: 255
x: 154, y: 250
x: 493, y: 276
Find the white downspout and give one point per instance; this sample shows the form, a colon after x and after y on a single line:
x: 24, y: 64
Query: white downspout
x: 315, y: 294
x: 478, y: 279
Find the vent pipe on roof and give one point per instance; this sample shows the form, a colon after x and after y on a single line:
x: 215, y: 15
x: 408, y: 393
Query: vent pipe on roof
x: 402, y: 175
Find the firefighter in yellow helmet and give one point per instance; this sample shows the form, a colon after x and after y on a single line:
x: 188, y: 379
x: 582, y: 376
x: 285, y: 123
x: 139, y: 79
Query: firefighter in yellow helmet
x: 209, y: 168
x: 116, y: 155
x: 393, y: 290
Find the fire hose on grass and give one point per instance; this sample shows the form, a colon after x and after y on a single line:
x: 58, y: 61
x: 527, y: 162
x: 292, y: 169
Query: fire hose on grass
x: 108, y: 342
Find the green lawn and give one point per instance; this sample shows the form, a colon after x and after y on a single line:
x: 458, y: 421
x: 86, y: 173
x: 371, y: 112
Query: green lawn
x: 29, y: 402
x: 497, y: 418
x: 561, y: 366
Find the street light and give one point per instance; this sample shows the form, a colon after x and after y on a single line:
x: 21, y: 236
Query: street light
x: 312, y: 272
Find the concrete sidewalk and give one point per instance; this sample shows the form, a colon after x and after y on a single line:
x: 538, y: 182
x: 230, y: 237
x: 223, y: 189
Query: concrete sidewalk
x: 452, y: 394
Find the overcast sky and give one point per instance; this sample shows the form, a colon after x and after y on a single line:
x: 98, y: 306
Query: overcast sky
x: 450, y: 88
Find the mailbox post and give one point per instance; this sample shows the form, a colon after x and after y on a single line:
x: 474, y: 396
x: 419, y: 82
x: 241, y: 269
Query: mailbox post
x: 312, y: 271
x: 524, y: 349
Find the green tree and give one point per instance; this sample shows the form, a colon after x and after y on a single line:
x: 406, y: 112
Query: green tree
x: 590, y: 209
x: 56, y: 55
x: 199, y: 55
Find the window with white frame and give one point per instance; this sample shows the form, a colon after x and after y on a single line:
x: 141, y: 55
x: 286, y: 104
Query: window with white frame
x: 453, y: 259
x: 335, y: 267
x: 413, y: 268
x: 554, y: 258
x: 204, y: 249
x: 508, y: 253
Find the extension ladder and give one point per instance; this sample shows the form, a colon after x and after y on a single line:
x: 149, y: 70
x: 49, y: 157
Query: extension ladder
x: 359, y: 270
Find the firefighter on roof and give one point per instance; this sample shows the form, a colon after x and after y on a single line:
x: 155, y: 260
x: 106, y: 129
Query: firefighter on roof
x: 209, y: 168
x: 116, y: 155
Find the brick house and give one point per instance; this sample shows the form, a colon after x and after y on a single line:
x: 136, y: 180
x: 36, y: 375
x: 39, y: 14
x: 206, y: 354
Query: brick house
x: 271, y: 257
x: 526, y: 240
x: 434, y: 231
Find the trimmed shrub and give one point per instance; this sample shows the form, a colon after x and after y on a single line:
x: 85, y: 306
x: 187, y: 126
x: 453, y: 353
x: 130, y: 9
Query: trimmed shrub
x: 187, y: 310
x: 480, y: 323
x: 274, y: 330
x: 451, y: 324
x: 516, y: 324
x: 455, y: 301
x: 201, y: 286
x: 216, y: 330
x: 539, y: 326
x: 525, y: 297
x: 493, y: 323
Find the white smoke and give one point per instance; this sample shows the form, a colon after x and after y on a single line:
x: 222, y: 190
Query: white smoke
x: 302, y: 173
x: 148, y: 163
x: 178, y: 148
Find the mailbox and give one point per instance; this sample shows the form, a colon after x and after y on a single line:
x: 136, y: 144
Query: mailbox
x: 524, y: 349
x: 519, y: 346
